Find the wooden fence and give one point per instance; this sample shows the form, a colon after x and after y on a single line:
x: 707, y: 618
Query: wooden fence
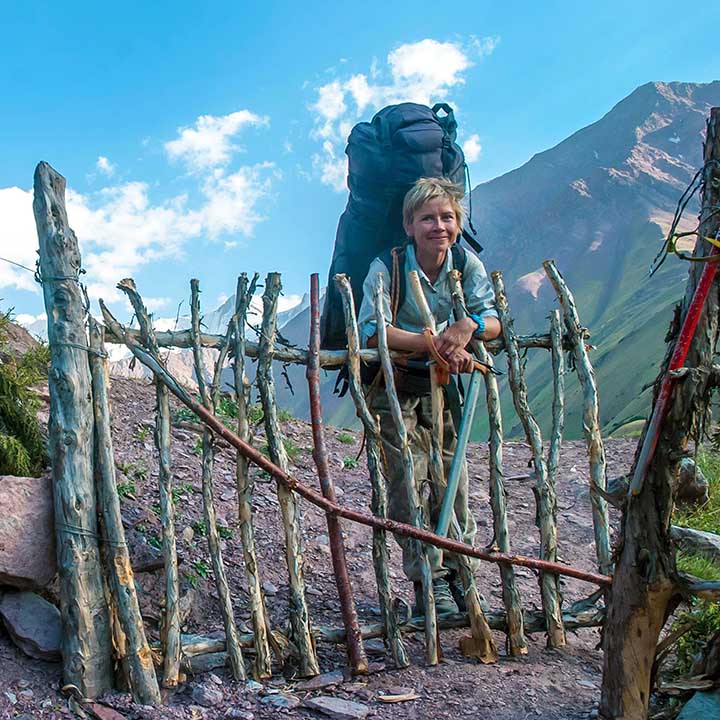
x: 85, y: 483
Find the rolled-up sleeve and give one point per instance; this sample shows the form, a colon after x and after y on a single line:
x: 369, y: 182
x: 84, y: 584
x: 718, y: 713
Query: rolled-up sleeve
x: 479, y: 294
x: 367, y: 325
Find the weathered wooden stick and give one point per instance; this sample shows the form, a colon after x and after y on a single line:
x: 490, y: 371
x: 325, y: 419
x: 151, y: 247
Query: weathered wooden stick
x: 481, y: 644
x: 292, y: 483
x: 85, y: 643
x: 511, y: 596
x: 591, y: 423
x: 289, y: 508
x: 171, y: 621
x: 141, y: 673
x: 558, y: 403
x: 413, y: 497
x: 356, y: 651
x: 210, y: 400
x: 436, y: 391
x: 197, y: 646
x: 544, y: 490
x: 262, y: 667
x: 298, y: 356
x: 381, y: 557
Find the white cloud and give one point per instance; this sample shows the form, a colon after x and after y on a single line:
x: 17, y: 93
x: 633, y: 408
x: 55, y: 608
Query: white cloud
x: 232, y: 200
x: 424, y: 72
x: 121, y: 230
x: 485, y: 46
x: 472, y: 148
x: 209, y: 143
x: 105, y: 166
x: 18, y: 240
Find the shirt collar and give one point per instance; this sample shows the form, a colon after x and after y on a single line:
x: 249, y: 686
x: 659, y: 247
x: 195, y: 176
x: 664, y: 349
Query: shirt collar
x: 415, y: 265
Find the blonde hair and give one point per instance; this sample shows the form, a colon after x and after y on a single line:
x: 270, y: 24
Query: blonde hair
x: 430, y: 188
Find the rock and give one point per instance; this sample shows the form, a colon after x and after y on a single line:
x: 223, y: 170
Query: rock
x: 692, y: 486
x: 696, y: 542
x: 207, y: 695
x: 322, y: 681
x: 253, y: 686
x: 374, y: 646
x: 188, y: 534
x: 281, y: 701
x: 33, y: 623
x: 238, y: 714
x: 27, y: 533
x: 701, y: 706
x: 269, y: 588
x: 338, y: 708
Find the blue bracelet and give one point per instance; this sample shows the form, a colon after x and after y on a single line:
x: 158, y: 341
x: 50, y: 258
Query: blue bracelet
x: 480, y: 325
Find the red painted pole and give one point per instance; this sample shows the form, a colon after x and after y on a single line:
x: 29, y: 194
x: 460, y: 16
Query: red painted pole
x: 687, y: 331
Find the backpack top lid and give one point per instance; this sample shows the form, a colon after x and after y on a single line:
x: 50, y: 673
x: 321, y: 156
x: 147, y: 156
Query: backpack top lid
x: 401, y: 144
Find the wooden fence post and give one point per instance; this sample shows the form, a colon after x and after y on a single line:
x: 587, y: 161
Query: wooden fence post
x: 544, y: 487
x: 591, y: 415
x: 171, y: 624
x: 86, y: 644
x: 141, y: 671
x: 289, y: 508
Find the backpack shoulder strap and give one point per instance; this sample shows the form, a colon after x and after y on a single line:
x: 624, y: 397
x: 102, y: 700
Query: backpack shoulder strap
x: 394, y: 261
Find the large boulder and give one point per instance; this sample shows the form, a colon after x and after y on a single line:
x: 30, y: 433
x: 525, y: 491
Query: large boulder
x: 692, y: 486
x: 33, y: 623
x: 27, y: 532
x: 697, y: 542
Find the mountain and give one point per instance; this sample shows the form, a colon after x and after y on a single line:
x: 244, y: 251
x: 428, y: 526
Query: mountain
x: 600, y: 204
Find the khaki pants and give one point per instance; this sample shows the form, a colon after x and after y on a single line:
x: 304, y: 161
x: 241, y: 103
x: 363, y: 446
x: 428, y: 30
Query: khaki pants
x: 417, y: 414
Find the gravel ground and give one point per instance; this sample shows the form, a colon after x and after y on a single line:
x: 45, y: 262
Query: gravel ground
x: 548, y: 684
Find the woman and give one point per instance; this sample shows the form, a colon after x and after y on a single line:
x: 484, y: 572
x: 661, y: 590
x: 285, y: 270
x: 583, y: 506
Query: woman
x: 432, y: 218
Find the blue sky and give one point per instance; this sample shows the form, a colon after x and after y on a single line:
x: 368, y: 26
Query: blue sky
x: 204, y: 141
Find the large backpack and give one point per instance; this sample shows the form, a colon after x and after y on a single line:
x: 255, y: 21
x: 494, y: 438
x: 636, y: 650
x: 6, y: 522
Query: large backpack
x: 385, y: 157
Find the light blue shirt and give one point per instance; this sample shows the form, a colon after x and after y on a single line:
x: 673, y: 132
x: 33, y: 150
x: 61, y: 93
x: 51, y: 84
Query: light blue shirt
x: 479, y: 295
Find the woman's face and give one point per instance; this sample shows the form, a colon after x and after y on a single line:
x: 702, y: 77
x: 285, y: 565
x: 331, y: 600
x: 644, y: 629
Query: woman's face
x: 434, y: 227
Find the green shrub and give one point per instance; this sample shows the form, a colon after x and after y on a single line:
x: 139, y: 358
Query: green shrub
x: 345, y: 438
x: 350, y: 463
x: 22, y: 445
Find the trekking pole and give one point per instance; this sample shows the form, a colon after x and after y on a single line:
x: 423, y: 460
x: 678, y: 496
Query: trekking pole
x: 687, y: 331
x: 448, y: 503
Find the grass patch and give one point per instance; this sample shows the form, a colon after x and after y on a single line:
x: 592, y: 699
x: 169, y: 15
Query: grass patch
x: 345, y: 438
x: 698, y: 566
x: 703, y: 616
x: 350, y: 463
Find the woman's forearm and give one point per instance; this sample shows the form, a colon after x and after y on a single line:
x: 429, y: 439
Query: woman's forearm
x: 401, y: 340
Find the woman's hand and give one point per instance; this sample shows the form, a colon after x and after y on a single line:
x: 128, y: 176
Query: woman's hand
x: 455, y: 337
x: 460, y: 361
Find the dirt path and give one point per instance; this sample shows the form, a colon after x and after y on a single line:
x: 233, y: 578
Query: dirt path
x: 547, y: 684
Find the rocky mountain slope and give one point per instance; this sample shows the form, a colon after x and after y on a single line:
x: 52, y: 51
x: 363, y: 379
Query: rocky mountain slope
x: 599, y: 204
